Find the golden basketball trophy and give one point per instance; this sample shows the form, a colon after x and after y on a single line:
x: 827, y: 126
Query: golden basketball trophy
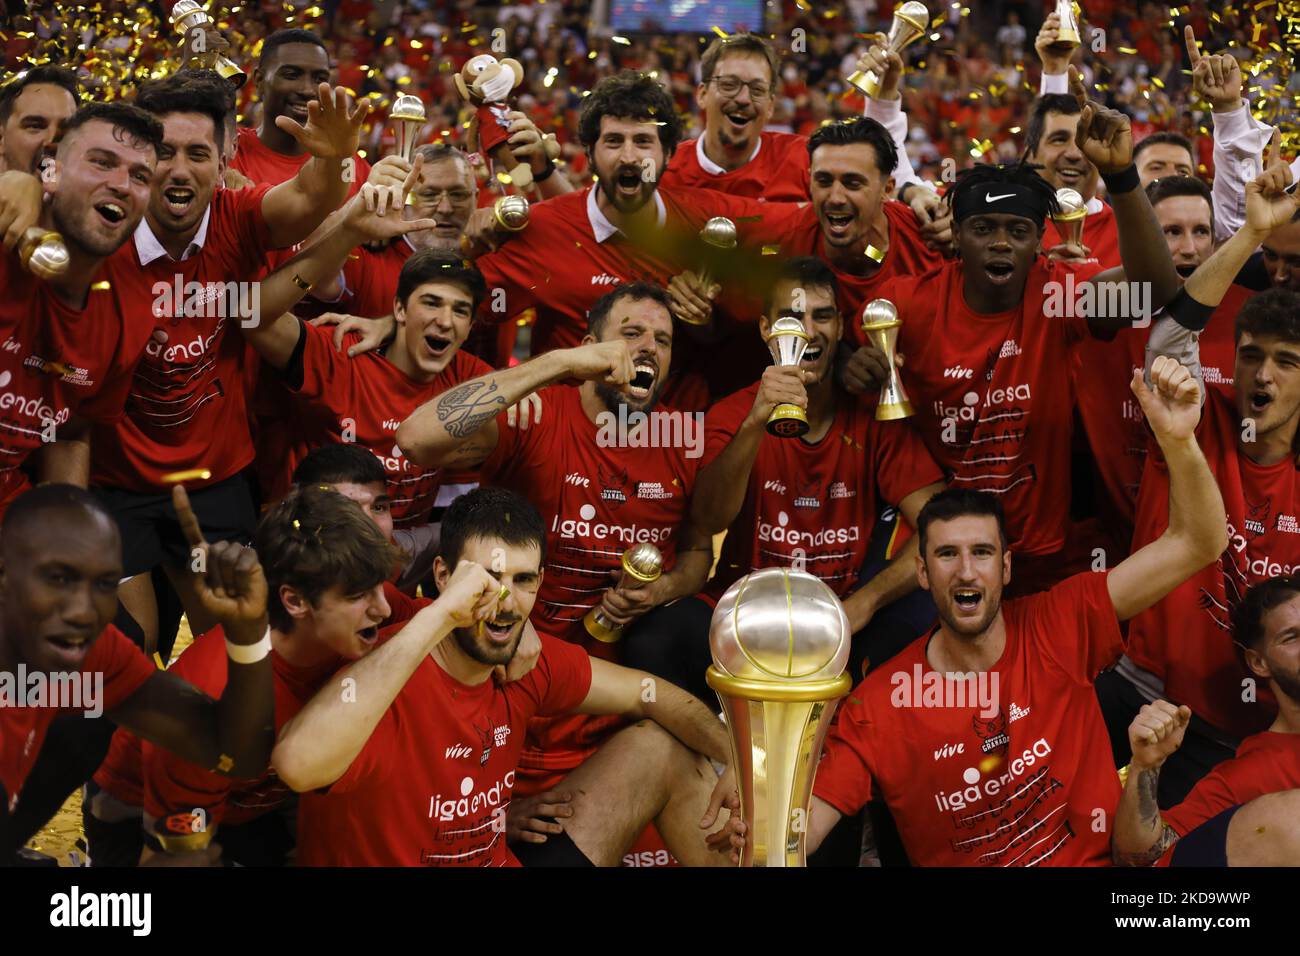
x: 187, y: 15
x: 407, y: 117
x: 1073, y: 212
x: 643, y: 563
x: 780, y: 641
x: 1067, y: 37
x: 881, y: 323
x: 910, y: 23
x: 787, y: 342
x: 43, y: 253
x: 720, y: 233
x: 511, y: 213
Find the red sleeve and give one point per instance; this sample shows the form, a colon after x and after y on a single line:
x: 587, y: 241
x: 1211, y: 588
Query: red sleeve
x: 561, y: 679
x: 723, y: 420
x: 902, y: 464
x: 1211, y: 796
x: 844, y: 772
x: 516, y: 268
x: 1075, y: 626
x: 124, y: 666
x: 328, y: 375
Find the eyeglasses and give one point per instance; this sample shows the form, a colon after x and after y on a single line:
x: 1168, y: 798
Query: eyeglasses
x: 458, y: 197
x: 730, y: 86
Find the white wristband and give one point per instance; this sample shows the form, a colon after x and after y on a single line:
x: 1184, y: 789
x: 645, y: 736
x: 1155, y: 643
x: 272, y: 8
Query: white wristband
x: 249, y: 653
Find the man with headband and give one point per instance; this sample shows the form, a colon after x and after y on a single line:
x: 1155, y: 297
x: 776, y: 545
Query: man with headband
x: 988, y: 337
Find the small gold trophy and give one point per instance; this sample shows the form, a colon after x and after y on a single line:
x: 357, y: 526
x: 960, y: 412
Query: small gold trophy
x: 780, y: 640
x: 719, y: 232
x: 43, y: 253
x: 1069, y: 221
x: 881, y: 323
x: 910, y: 22
x: 407, y: 117
x: 643, y: 563
x: 787, y: 343
x: 187, y: 15
x: 511, y: 212
x: 1067, y: 37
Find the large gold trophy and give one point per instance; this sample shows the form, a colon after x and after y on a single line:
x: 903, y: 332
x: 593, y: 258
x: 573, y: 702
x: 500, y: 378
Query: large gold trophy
x: 881, y: 323
x: 780, y: 640
x: 187, y: 15
x: 910, y: 22
x: 642, y: 563
x: 408, y: 118
x: 787, y: 343
x: 1069, y: 221
x: 1067, y: 36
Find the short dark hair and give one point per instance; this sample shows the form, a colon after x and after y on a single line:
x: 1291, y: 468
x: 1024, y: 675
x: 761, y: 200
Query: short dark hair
x: 440, y: 265
x: 489, y: 513
x: 958, y: 503
x: 629, y: 94
x: 636, y: 291
x: 1247, y: 615
x: 126, y: 118
x: 31, y: 508
x: 46, y: 73
x: 1275, y: 312
x: 190, y: 91
x: 341, y: 462
x: 284, y: 37
x: 749, y: 44
x: 1064, y: 103
x: 1166, y: 137
x: 806, y: 271
x: 315, y: 539
x: 1158, y: 190
x: 859, y: 129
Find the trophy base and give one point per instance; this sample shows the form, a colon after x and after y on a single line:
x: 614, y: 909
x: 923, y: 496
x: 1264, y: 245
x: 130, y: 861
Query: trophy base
x: 787, y: 421
x: 1066, y: 44
x: 598, y: 629
x: 868, y: 84
x: 893, y: 411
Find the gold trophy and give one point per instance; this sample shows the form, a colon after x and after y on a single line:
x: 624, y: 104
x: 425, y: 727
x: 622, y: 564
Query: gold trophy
x: 407, y: 117
x: 780, y: 640
x: 910, y: 22
x: 511, y: 213
x: 787, y: 342
x: 643, y: 563
x: 187, y: 15
x: 881, y: 323
x: 1069, y: 221
x: 1067, y: 37
x: 43, y: 253
x: 719, y: 232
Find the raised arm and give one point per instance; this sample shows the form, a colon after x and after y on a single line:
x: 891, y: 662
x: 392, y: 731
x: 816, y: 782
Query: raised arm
x: 1198, y: 526
x: 1141, y: 835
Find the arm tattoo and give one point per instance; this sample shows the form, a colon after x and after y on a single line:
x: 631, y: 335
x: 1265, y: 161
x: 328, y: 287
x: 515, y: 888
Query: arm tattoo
x: 466, y: 408
x: 1149, y: 814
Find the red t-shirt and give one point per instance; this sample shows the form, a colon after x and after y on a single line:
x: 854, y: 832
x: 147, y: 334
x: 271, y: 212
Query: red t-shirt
x: 779, y: 173
x: 187, y: 407
x: 1186, y: 638
x: 432, y: 786
x: 1019, y: 789
x: 990, y: 398
x: 1268, y: 762
x: 363, y: 400
x: 599, y: 501
x: 262, y: 164
x: 557, y: 266
x: 124, y: 668
x: 371, y: 279
x: 813, y: 506
x: 57, y: 362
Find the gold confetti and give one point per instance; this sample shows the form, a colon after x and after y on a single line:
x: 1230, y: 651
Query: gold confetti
x: 101, y: 286
x: 771, y: 250
x: 1126, y: 49
x: 225, y: 764
x: 623, y: 40
x: 720, y: 32
x: 874, y: 254
x: 990, y: 763
x: 191, y: 474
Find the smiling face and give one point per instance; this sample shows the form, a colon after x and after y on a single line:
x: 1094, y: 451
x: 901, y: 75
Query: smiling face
x: 446, y: 192
x: 965, y: 567
x: 1277, y: 656
x: 815, y: 307
x: 1185, y: 221
x: 102, y: 188
x: 1162, y: 160
x: 348, y: 624
x: 1064, y: 161
x: 59, y: 588
x: 647, y: 328
x: 997, y: 251
x: 517, y: 567
x: 629, y: 159
x: 34, y: 119
x: 736, y: 121
x: 434, y: 322
x: 1266, y: 377
x: 189, y: 167
x: 290, y: 80
x: 848, y: 191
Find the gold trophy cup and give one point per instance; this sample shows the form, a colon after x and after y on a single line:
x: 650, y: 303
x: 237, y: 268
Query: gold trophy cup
x: 780, y: 640
x: 787, y: 342
x: 1069, y: 221
x: 910, y: 22
x: 642, y: 562
x: 43, y: 253
x: 407, y: 117
x: 881, y: 323
x: 719, y: 232
x: 186, y: 15
x: 1067, y: 37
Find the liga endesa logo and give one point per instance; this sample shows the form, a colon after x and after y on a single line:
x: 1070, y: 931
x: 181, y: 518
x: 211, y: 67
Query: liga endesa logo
x: 470, y: 802
x: 586, y: 529
x: 779, y: 533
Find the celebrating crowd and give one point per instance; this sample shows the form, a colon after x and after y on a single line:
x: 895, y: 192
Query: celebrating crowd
x: 260, y: 368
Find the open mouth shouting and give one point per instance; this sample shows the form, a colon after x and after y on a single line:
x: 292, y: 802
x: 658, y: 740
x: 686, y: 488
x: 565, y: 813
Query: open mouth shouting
x: 643, y: 381
x: 1071, y: 176
x: 369, y: 636
x: 738, y: 120
x: 839, y: 222
x: 628, y: 182
x: 439, y: 346
x: 999, y: 271
x: 1260, y: 399
x: 967, y: 601
x: 812, y: 355
x: 500, y: 631
x: 112, y: 213
x: 179, y: 199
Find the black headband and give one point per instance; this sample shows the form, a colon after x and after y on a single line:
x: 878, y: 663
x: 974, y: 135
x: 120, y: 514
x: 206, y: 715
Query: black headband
x: 1012, y: 199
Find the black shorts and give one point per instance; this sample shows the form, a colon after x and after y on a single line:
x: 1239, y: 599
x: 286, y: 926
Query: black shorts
x: 151, y: 533
x: 1207, y: 845
x: 558, y: 850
